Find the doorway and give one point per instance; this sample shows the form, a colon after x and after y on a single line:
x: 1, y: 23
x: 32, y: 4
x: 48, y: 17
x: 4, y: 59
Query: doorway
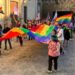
x: 25, y: 13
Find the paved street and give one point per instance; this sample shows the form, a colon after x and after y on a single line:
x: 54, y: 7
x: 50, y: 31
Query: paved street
x: 32, y: 59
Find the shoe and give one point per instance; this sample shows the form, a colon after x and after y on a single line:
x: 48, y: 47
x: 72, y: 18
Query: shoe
x: 62, y: 53
x: 5, y: 48
x: 49, y: 71
x: 0, y: 47
x: 55, y: 70
x: 71, y: 39
x: 11, y: 48
x: 0, y: 53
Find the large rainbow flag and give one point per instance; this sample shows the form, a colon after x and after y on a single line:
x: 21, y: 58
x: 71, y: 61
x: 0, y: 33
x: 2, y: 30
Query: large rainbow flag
x: 41, y: 33
x: 64, y: 19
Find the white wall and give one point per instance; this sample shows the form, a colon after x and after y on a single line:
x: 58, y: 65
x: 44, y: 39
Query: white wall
x: 31, y: 9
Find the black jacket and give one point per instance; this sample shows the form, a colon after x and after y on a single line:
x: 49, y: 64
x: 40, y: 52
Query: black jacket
x: 66, y: 34
x: 6, y: 30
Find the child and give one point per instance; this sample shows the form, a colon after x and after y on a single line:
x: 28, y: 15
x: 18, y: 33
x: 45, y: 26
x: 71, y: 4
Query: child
x: 20, y: 40
x: 53, y: 52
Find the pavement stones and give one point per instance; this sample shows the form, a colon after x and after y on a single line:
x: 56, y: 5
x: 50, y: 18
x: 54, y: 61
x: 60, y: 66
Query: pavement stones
x: 32, y: 59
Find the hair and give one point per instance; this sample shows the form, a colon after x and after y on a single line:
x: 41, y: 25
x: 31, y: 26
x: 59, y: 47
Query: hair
x: 60, y: 25
x: 55, y: 35
x: 55, y: 31
x: 56, y: 40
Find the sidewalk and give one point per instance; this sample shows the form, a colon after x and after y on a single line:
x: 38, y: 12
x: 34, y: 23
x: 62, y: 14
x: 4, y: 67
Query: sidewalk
x: 32, y: 59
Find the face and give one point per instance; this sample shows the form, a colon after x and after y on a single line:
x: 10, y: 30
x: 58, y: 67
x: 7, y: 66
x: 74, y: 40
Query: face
x: 48, y: 22
x: 29, y: 23
x: 59, y: 26
x: 56, y: 23
x: 64, y: 24
x: 53, y: 33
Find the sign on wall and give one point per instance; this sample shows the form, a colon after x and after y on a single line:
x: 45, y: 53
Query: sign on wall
x: 2, y: 11
x: 2, y: 6
x: 14, y: 7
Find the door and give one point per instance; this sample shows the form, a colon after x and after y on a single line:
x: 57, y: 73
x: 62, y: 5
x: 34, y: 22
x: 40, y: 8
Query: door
x: 25, y: 13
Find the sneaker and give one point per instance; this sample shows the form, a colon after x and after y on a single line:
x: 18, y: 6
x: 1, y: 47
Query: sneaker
x: 55, y: 70
x: 0, y: 53
x: 5, y: 48
x: 71, y: 39
x: 11, y: 48
x: 62, y: 53
x: 49, y: 71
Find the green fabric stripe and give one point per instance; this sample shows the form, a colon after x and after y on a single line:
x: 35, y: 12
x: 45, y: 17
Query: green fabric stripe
x: 47, y: 32
x: 50, y: 30
x: 24, y: 30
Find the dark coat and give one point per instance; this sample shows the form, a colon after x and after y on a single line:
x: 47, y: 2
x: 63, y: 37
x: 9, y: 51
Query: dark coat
x: 5, y: 30
x: 66, y: 34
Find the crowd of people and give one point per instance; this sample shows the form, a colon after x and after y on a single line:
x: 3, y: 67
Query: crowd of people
x: 58, y: 42
x: 59, y: 39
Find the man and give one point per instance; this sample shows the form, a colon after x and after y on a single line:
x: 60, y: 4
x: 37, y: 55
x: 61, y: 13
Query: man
x: 30, y: 27
x: 6, y: 29
x: 60, y: 36
x: 0, y: 34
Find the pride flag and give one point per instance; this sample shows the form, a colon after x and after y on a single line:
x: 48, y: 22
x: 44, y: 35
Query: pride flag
x: 64, y: 19
x: 42, y: 33
x: 55, y: 16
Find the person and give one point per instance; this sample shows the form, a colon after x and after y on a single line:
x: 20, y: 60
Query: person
x: 0, y: 27
x: 66, y: 36
x: 18, y: 24
x: 53, y: 52
x: 25, y: 35
x: 71, y: 30
x: 0, y: 34
x: 34, y: 25
x: 24, y: 26
x: 60, y: 35
x: 30, y: 27
x: 6, y: 29
x: 48, y: 23
x: 55, y: 23
x: 20, y: 40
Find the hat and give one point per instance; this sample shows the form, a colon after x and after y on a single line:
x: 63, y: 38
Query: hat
x: 54, y: 38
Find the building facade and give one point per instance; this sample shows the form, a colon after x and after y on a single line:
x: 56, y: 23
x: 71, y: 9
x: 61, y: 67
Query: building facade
x: 29, y: 9
x: 9, y: 7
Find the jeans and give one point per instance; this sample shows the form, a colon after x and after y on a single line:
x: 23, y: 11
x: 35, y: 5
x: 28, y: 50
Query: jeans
x: 20, y: 40
x: 0, y: 43
x: 51, y: 61
x: 8, y: 40
x: 30, y: 38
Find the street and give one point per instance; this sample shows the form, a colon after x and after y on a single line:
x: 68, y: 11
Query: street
x: 32, y: 59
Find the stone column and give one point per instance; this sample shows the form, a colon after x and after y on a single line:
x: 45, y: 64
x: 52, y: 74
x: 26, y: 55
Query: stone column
x: 7, y: 12
x: 22, y: 3
x: 22, y: 11
x: 7, y: 9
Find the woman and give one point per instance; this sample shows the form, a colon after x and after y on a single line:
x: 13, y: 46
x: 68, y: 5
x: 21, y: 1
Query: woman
x: 66, y: 36
x: 53, y: 52
x: 1, y: 33
x: 30, y: 27
x: 60, y: 36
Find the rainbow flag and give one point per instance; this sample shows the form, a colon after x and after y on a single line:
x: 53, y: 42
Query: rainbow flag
x: 64, y: 19
x: 42, y: 33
